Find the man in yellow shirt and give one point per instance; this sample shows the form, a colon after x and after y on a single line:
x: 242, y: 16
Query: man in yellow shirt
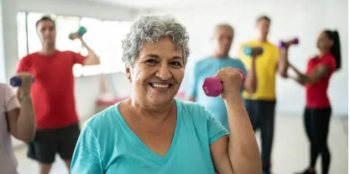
x: 261, y: 105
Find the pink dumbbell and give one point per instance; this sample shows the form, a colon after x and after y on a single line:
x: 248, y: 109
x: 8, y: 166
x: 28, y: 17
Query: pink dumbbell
x: 283, y: 44
x: 212, y: 86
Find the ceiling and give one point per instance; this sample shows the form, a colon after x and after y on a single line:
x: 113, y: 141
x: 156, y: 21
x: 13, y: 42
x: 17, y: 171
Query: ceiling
x: 160, y: 4
x: 189, y: 4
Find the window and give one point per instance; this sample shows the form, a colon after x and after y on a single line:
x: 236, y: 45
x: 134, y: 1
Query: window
x: 22, y: 34
x: 64, y: 26
x: 104, y: 37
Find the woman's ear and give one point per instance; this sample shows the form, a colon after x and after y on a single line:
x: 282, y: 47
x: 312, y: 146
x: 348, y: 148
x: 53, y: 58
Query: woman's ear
x: 331, y: 43
x: 128, y: 73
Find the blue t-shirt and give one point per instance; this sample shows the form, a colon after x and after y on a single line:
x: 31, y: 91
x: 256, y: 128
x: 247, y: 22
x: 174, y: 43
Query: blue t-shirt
x: 107, y: 145
x: 208, y: 67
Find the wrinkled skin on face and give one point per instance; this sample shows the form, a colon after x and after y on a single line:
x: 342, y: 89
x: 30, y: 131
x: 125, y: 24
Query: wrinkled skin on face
x: 157, y: 73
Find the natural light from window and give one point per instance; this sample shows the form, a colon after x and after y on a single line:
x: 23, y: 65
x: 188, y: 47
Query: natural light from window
x: 104, y: 37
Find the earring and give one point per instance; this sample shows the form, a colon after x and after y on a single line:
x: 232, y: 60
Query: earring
x: 129, y: 77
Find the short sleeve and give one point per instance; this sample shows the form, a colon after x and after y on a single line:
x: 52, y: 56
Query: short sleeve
x: 191, y: 88
x: 11, y: 101
x: 243, y: 68
x: 245, y: 72
x: 23, y: 65
x: 330, y: 63
x: 78, y: 58
x: 277, y: 54
x: 86, y: 158
x: 215, y: 129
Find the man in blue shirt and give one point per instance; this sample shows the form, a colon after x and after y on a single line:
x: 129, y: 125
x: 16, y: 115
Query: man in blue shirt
x: 209, y: 66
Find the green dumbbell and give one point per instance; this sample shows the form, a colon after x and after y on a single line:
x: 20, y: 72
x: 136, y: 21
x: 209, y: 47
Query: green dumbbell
x: 248, y: 51
x: 81, y: 32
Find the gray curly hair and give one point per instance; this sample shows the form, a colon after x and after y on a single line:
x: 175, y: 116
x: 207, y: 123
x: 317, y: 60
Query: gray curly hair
x: 148, y: 29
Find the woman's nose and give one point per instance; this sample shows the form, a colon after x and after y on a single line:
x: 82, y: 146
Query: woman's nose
x: 164, y: 72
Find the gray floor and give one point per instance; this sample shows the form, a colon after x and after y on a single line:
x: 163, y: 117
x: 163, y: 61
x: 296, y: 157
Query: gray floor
x: 290, y: 151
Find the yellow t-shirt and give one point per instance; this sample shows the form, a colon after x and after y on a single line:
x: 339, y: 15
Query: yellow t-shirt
x: 266, y: 67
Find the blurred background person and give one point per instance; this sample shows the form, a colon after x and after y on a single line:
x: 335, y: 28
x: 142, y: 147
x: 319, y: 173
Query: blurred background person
x: 318, y: 110
x: 208, y: 67
x: 53, y: 96
x: 261, y: 104
x: 17, y: 119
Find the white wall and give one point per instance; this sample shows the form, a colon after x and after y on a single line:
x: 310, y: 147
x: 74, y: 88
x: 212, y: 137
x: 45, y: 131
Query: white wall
x: 305, y: 21
x: 86, y: 88
x: 2, y: 51
x: 301, y: 18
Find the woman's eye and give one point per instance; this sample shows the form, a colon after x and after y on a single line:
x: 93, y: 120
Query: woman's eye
x: 151, y: 61
x: 176, y: 63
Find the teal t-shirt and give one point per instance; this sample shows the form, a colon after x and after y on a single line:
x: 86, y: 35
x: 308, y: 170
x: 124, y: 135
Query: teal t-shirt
x: 208, y: 67
x: 107, y: 145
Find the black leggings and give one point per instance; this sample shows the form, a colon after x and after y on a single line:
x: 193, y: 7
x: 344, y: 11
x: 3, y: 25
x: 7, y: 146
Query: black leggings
x: 317, y: 126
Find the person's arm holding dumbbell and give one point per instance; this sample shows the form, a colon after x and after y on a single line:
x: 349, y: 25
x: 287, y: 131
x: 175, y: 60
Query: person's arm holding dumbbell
x: 20, y: 117
x: 282, y: 66
x: 298, y: 74
x: 320, y: 72
x: 237, y: 152
x: 91, y: 58
x: 284, y: 47
x: 251, y: 83
x: 283, y: 63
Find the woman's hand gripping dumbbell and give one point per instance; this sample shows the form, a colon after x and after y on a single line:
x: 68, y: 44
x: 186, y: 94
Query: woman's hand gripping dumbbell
x: 227, y: 82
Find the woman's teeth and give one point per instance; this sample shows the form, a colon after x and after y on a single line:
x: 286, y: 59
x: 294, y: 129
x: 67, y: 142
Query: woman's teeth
x: 156, y: 85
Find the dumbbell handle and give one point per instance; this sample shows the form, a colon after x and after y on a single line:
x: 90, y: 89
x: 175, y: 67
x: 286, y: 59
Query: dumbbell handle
x: 17, y: 81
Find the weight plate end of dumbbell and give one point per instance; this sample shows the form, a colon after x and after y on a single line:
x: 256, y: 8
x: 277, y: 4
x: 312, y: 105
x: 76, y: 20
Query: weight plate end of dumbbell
x: 243, y: 75
x: 296, y: 41
x: 14, y: 81
x: 212, y: 86
x: 247, y: 50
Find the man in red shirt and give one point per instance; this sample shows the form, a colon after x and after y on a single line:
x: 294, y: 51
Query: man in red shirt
x: 53, y: 96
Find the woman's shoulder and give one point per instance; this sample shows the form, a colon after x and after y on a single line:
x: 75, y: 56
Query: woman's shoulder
x: 193, y: 110
x: 202, y: 121
x: 188, y: 105
x: 106, y: 119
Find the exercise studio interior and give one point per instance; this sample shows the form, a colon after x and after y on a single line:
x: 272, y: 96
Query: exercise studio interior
x: 174, y: 87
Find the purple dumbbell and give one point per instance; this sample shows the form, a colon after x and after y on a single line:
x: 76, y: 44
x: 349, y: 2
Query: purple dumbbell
x: 17, y: 81
x: 212, y: 86
x: 283, y: 44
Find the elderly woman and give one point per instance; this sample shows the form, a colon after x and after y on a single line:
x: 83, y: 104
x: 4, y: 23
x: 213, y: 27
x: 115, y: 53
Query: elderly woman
x: 152, y: 132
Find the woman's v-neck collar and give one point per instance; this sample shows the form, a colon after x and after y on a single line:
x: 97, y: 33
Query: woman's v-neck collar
x: 143, y: 146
